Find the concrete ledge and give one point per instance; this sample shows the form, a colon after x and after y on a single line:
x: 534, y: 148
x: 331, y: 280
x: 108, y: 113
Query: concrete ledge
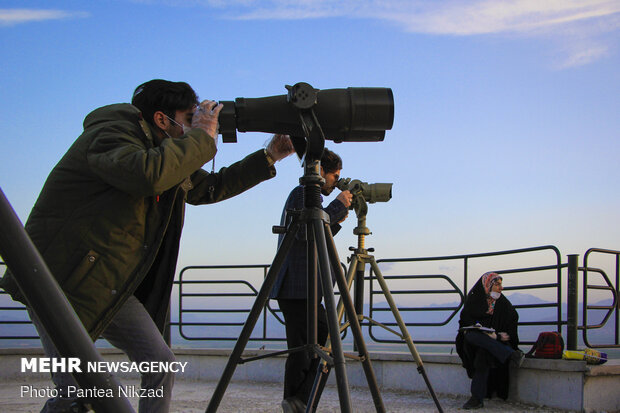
x: 562, y: 384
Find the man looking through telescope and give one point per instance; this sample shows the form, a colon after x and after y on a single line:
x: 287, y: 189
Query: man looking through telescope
x: 291, y: 287
x: 109, y: 218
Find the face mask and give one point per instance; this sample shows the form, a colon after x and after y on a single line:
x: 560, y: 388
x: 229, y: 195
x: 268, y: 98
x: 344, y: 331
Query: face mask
x: 184, y: 127
x: 495, y: 295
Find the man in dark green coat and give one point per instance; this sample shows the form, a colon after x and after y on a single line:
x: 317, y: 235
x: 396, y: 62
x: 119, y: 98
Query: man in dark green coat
x: 108, y: 220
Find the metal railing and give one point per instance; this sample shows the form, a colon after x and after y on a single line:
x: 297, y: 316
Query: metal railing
x: 246, y: 290
x: 9, y: 316
x: 612, y: 308
x: 199, y: 319
x: 453, y: 310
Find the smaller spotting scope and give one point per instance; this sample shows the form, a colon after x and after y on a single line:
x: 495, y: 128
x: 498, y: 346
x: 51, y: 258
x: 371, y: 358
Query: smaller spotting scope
x: 370, y: 192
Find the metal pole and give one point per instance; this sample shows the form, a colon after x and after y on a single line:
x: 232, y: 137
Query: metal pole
x: 359, y: 294
x: 342, y: 381
x: 312, y: 306
x: 359, y: 288
x: 350, y: 277
x: 52, y: 308
x: 572, y: 302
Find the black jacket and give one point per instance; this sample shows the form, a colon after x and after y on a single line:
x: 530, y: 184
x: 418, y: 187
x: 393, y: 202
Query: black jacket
x: 292, y: 282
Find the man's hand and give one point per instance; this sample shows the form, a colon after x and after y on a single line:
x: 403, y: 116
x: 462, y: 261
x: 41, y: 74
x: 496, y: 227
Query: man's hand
x: 346, y: 198
x: 205, y: 117
x: 279, y: 147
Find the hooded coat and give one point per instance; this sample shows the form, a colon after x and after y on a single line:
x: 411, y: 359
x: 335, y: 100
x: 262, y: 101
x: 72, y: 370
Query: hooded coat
x: 504, y: 318
x: 108, y: 220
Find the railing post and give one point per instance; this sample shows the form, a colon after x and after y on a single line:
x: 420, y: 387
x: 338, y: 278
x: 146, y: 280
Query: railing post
x: 572, y: 302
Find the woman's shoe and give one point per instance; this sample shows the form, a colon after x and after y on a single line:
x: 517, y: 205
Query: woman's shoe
x: 517, y: 358
x: 473, y: 403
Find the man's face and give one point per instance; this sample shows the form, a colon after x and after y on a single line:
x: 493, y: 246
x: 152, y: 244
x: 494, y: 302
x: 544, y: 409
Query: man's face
x: 331, y: 178
x: 181, y: 117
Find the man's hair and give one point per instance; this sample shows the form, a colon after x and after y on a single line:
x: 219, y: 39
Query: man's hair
x: 163, y: 95
x: 330, y: 161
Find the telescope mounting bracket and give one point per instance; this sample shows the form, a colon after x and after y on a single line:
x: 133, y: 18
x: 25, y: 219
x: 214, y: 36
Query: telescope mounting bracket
x: 303, y: 97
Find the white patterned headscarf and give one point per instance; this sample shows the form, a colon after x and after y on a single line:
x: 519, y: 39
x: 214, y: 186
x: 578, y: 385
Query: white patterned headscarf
x: 488, y: 279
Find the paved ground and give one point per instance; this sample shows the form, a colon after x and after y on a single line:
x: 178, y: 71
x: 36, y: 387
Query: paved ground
x: 193, y: 397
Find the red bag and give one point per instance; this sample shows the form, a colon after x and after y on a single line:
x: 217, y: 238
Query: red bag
x: 549, y: 345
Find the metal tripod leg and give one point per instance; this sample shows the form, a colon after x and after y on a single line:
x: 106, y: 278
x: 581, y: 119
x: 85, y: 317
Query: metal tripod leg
x: 248, y: 327
x: 403, y: 329
x: 332, y: 318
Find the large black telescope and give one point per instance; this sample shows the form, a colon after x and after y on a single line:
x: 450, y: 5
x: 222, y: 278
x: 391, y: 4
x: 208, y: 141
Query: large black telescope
x: 355, y: 114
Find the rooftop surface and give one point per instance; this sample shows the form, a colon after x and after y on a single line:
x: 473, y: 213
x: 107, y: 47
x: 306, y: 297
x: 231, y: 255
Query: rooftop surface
x: 565, y: 385
x: 193, y: 396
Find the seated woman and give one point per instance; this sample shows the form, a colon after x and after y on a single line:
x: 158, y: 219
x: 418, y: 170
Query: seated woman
x: 486, y: 354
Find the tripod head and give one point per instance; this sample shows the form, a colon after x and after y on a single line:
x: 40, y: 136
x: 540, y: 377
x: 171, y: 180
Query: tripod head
x: 309, y: 148
x: 364, y: 193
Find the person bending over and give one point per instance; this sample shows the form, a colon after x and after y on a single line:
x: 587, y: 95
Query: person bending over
x: 108, y: 220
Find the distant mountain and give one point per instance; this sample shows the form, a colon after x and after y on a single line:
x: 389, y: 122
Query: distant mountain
x: 437, y: 321
x: 521, y: 298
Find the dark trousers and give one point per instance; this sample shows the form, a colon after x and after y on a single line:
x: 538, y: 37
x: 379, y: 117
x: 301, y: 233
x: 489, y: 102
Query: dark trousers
x: 485, y: 347
x: 300, y: 368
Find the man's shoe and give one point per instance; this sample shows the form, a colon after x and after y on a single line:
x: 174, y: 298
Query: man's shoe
x: 288, y: 406
x: 473, y: 403
x: 516, y: 358
x: 293, y: 405
x: 80, y: 407
x: 301, y: 406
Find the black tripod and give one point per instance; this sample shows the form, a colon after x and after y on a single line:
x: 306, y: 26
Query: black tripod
x: 321, y: 249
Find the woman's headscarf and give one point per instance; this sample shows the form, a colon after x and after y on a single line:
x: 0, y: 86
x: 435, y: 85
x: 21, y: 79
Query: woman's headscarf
x: 488, y: 279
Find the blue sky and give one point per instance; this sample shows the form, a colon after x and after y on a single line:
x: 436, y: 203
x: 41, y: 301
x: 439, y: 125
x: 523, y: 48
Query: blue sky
x: 507, y: 116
